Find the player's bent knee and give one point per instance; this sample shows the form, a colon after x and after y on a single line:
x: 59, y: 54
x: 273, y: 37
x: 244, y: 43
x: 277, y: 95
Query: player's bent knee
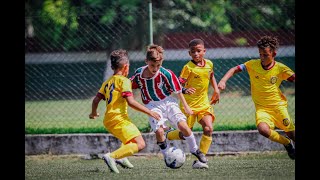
x: 160, y: 131
x: 207, y: 130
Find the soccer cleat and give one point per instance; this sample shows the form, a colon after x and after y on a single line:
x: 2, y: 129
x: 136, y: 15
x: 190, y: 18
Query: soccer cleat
x: 124, y: 162
x: 199, y: 165
x: 110, y: 162
x: 291, y: 150
x: 200, y: 156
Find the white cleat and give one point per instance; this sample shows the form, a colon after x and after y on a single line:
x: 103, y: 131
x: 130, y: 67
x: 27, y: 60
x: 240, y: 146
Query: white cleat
x: 199, y: 165
x: 124, y: 162
x: 111, y: 162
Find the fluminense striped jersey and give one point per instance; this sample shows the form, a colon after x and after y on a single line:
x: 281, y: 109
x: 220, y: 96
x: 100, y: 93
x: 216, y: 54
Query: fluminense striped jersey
x: 161, y: 85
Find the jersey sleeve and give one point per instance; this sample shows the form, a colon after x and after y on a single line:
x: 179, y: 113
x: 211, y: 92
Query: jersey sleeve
x: 126, y: 89
x: 102, y: 91
x: 185, y: 72
x: 286, y: 72
x: 242, y: 67
x: 174, y: 82
x: 102, y: 88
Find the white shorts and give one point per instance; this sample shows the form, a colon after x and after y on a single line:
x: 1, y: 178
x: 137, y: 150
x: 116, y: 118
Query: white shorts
x: 168, y: 109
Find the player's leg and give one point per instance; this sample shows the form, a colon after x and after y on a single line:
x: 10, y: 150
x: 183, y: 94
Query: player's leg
x: 206, y: 122
x: 284, y: 122
x: 158, y: 126
x: 206, y: 138
x: 125, y: 131
x: 127, y: 150
x: 161, y: 140
x: 177, y: 134
x: 178, y: 119
x: 191, y: 140
x: 265, y: 121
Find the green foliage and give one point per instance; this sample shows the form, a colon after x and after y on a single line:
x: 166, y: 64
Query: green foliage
x: 77, y: 18
x: 241, y: 41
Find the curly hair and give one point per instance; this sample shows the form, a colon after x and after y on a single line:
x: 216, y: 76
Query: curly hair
x: 154, y: 53
x: 268, y: 41
x: 118, y: 58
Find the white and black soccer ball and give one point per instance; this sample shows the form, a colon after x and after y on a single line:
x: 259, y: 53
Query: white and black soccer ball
x: 174, y: 158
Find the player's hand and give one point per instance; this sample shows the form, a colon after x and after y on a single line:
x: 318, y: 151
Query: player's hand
x: 190, y: 90
x: 155, y: 115
x: 222, y: 85
x: 93, y: 115
x: 215, y: 98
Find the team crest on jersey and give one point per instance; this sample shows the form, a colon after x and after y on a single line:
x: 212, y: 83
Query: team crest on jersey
x: 285, y: 121
x: 273, y: 79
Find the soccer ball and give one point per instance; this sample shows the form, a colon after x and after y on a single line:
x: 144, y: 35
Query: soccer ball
x: 174, y: 158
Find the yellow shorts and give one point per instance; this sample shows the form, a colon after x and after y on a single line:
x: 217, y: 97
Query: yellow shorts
x: 275, y: 117
x: 198, y: 115
x: 122, y: 128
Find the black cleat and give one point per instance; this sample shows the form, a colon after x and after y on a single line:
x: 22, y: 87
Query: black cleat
x: 291, y: 150
x: 202, y: 158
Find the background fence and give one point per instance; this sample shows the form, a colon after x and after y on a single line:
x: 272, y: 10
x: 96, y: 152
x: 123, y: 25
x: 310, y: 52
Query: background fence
x: 67, y: 45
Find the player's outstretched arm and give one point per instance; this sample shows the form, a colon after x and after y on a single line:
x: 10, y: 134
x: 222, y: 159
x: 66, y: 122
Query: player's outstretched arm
x: 137, y: 106
x: 184, y: 103
x: 95, y: 102
x: 216, y: 93
x: 228, y: 75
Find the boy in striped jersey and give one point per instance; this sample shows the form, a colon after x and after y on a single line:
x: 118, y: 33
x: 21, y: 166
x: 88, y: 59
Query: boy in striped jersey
x: 266, y: 75
x: 156, y: 84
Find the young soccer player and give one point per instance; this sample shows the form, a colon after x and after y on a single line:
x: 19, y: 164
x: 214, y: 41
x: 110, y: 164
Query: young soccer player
x: 195, y: 76
x: 117, y: 93
x: 156, y: 84
x: 266, y: 75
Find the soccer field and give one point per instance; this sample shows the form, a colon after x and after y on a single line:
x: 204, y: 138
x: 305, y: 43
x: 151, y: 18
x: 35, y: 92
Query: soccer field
x: 262, y: 165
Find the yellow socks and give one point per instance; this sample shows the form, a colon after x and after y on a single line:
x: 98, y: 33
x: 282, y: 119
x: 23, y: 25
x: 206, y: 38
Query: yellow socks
x: 124, y: 151
x: 275, y: 136
x: 205, y: 143
x: 173, y: 135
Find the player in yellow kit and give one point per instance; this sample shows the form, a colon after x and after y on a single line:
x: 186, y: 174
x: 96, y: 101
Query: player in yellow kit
x: 266, y: 75
x: 117, y: 93
x: 196, y: 76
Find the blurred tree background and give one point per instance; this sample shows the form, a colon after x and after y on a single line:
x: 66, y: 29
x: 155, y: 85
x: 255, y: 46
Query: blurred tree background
x: 80, y: 18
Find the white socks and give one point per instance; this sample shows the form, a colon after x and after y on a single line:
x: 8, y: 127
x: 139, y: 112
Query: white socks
x: 191, y: 142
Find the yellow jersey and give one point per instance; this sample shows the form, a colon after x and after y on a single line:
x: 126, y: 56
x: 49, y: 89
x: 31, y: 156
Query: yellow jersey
x: 198, y: 78
x: 265, y: 84
x: 114, y: 90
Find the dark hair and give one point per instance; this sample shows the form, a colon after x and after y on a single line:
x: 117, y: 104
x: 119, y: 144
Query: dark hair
x: 268, y: 41
x: 154, y: 53
x: 118, y: 58
x: 195, y: 42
